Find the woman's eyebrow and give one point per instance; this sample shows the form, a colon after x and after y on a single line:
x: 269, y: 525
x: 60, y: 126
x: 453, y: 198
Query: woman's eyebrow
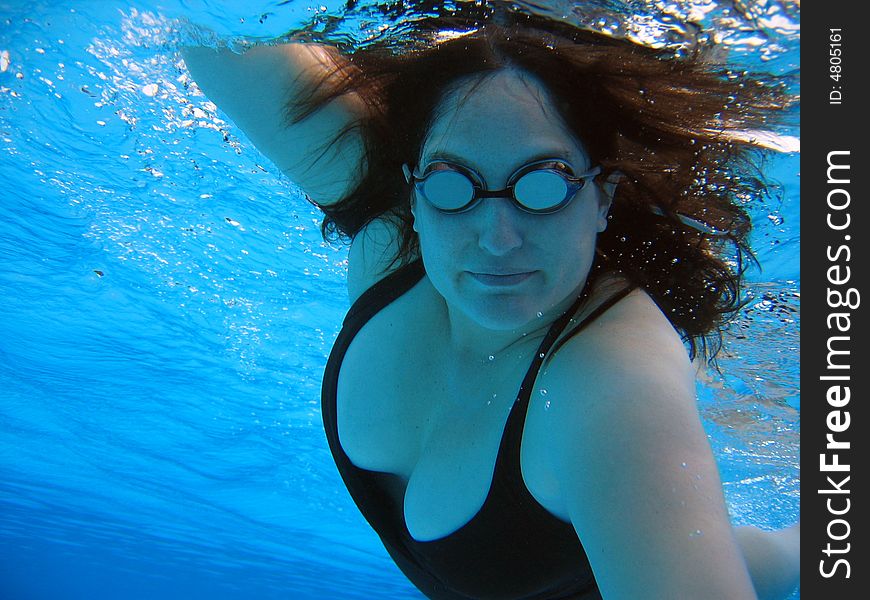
x: 444, y: 155
x: 447, y: 156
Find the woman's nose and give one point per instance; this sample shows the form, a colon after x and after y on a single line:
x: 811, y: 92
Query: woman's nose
x: 500, y: 226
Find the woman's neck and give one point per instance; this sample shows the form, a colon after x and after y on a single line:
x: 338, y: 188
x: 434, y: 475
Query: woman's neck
x: 474, y: 343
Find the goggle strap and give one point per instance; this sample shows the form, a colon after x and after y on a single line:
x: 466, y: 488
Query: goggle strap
x: 695, y: 224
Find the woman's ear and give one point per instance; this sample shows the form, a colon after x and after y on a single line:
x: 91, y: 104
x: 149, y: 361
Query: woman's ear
x: 414, y: 213
x: 413, y: 197
x: 610, y: 183
x: 608, y: 189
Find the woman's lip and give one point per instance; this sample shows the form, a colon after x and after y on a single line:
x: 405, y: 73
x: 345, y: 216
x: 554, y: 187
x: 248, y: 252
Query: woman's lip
x: 501, y: 279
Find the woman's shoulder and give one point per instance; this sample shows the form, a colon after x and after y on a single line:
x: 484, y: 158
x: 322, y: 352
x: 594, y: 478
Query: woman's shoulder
x: 631, y: 329
x: 620, y: 399
x: 626, y: 367
x: 373, y: 255
x: 620, y: 433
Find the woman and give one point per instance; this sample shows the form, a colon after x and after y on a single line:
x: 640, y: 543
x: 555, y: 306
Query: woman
x: 536, y: 216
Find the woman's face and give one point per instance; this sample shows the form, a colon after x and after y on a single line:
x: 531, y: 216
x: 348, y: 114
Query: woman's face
x: 500, y: 266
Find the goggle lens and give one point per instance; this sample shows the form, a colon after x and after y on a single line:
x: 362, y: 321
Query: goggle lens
x: 541, y: 190
x: 448, y: 189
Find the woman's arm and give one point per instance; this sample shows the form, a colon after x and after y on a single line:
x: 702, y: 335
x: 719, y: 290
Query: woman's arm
x: 637, y: 475
x: 773, y: 559
x: 253, y: 89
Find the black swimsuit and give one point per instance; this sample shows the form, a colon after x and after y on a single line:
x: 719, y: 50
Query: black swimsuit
x: 513, y: 548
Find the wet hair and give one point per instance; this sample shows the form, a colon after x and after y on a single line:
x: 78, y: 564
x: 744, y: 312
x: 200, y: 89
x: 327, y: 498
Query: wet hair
x: 675, y: 128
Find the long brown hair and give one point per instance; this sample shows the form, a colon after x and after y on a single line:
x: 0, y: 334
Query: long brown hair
x: 677, y: 226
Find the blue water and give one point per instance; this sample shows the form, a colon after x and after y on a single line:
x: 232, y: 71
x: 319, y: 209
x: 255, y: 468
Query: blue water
x: 167, y: 306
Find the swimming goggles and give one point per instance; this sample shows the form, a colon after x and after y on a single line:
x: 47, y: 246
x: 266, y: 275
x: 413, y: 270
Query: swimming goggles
x: 541, y: 187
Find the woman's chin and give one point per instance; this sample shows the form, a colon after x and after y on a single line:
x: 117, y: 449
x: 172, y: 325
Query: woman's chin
x: 504, y: 316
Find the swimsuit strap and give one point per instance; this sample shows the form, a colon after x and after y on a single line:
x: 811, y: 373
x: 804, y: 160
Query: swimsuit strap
x: 592, y: 316
x: 544, y: 348
x: 509, y: 450
x: 384, y: 292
